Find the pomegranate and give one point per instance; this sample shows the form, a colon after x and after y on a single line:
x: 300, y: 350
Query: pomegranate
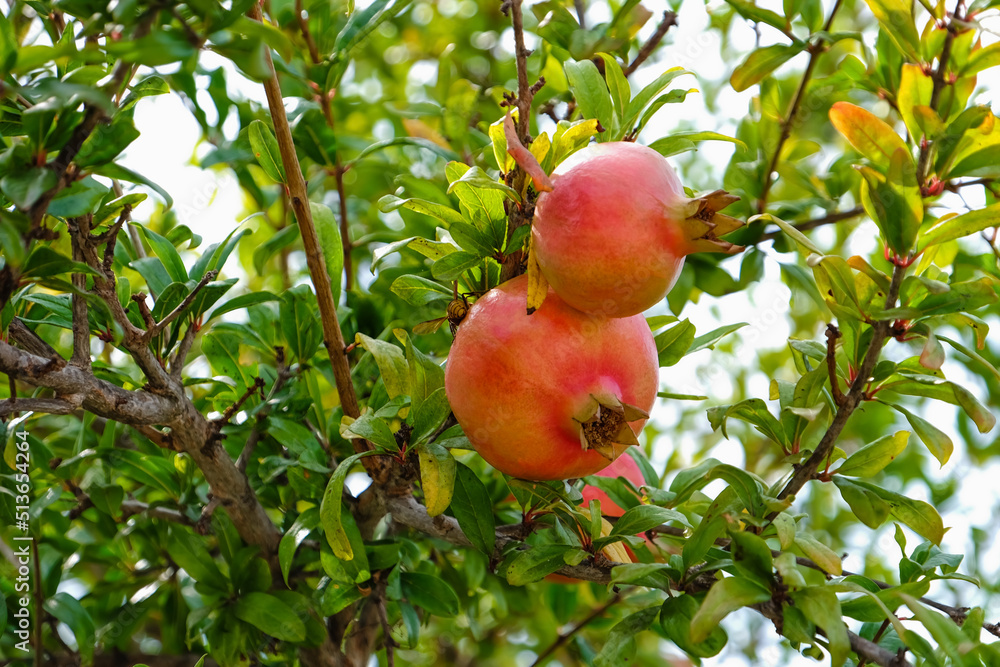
x: 612, y: 226
x: 624, y: 466
x: 555, y: 395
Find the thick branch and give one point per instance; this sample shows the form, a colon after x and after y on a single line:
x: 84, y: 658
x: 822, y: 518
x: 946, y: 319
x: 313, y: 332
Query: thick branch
x: 51, y: 406
x: 99, y: 396
x: 28, y: 340
x: 81, y: 326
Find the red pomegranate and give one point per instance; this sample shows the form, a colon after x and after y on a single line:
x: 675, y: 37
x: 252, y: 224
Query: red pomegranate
x: 555, y: 395
x: 612, y: 226
x: 624, y: 466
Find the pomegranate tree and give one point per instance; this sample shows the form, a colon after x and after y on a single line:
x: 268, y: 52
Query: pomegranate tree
x: 612, y: 226
x: 555, y: 395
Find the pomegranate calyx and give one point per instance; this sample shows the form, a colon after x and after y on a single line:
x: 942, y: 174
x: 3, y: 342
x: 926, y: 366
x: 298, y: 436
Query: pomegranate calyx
x: 605, y: 428
x: 704, y: 224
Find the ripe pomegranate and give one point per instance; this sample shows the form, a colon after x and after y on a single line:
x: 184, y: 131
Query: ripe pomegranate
x: 612, y: 226
x: 555, y: 395
x: 624, y: 466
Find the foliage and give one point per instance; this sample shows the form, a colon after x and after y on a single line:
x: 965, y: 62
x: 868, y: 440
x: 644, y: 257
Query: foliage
x: 190, y: 462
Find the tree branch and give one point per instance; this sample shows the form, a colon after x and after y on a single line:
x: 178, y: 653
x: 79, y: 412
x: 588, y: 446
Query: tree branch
x: 181, y: 307
x: 564, y: 637
x: 815, y: 222
x: 880, y: 331
x: 333, y: 339
x: 815, y: 50
x: 669, y: 19
x: 51, y: 406
x: 938, y: 83
x: 81, y: 326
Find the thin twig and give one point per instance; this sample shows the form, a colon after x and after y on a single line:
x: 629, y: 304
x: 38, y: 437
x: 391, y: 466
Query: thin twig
x: 256, y: 387
x: 832, y: 334
x: 306, y: 35
x: 880, y: 331
x: 938, y: 82
x: 669, y: 20
x: 815, y: 50
x: 566, y: 636
x: 158, y: 327
x: 333, y: 338
x: 815, y: 222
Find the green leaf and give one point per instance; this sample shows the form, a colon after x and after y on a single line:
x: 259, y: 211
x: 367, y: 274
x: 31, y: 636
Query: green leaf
x: 915, y: 89
x: 873, y: 457
x: 443, y: 213
x: 391, y: 362
x: 81, y: 198
x: 190, y: 553
x: 752, y: 555
x: 726, y: 596
x: 536, y: 563
x: 936, y: 440
x: 430, y: 593
x: 760, y: 63
x: 330, y: 509
x: 673, y: 344
x: 478, y: 179
x: 271, y: 616
x: 240, y: 302
x: 870, y: 509
x: 870, y: 135
x: 265, y: 149
x: 621, y: 92
x: 820, y: 554
x: 299, y: 323
x: 473, y: 508
x: 424, y: 374
x: 820, y: 605
x: 918, y: 515
x: 620, y: 645
x: 453, y: 265
x: 438, y: 470
x: 675, y: 619
x: 371, y: 427
x: 750, y: 10
x: 419, y: 291
x: 591, y: 93
x: 981, y: 59
x: 896, y: 19
x: 151, y: 85
x: 641, y: 518
x: 945, y: 632
x: 24, y: 187
x: 293, y: 537
x: 647, y: 94
x: 107, y: 141
x: 956, y: 227
x: 64, y: 607
x: 894, y: 202
x: 166, y: 252
x: 328, y: 233
x: 279, y: 240
x: 753, y: 411
x: 112, y: 170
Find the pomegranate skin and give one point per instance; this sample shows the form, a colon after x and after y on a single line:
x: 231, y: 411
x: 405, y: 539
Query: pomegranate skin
x: 609, y: 237
x: 624, y: 466
x: 520, y: 385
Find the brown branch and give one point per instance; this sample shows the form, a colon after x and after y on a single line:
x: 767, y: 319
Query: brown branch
x: 938, y: 82
x: 669, y: 20
x: 133, y: 507
x: 880, y: 331
x: 51, y: 406
x: 566, y: 636
x: 147, y: 315
x: 333, y: 339
x: 99, y: 396
x: 815, y: 222
x: 81, y: 326
x: 126, y: 216
x: 815, y: 50
x: 29, y: 341
x: 177, y: 361
x: 181, y: 307
x: 93, y: 115
x: 256, y: 387
x: 832, y: 334
x: 306, y: 35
